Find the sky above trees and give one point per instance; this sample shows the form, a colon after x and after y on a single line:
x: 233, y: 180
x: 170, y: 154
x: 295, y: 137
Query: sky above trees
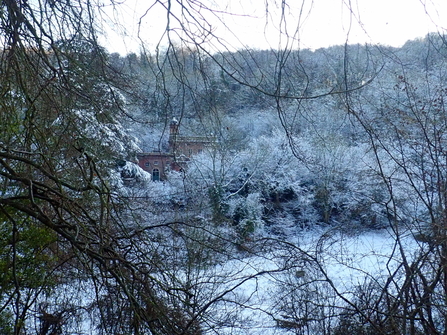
x: 305, y: 24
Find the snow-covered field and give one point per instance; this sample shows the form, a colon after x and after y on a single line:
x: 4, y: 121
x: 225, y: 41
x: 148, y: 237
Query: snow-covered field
x: 274, y: 292
x: 332, y: 266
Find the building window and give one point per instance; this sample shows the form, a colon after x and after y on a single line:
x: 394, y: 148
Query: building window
x: 146, y: 164
x: 156, y: 175
x: 155, y: 162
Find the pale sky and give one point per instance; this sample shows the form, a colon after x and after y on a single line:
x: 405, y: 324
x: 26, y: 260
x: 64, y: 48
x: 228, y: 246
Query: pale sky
x: 312, y: 24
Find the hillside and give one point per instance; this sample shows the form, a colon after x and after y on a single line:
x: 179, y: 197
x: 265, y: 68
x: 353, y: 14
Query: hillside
x: 344, y: 141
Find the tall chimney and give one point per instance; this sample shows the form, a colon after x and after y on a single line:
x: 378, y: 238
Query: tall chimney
x: 173, y: 126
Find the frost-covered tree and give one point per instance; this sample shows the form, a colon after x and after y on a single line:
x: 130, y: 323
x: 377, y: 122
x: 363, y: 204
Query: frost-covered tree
x: 63, y: 222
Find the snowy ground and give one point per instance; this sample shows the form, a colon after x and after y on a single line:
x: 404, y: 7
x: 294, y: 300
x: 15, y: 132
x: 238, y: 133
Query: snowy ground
x: 260, y: 292
x: 348, y: 261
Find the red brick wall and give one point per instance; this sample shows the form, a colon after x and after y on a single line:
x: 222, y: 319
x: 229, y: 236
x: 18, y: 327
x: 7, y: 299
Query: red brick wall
x: 151, y: 161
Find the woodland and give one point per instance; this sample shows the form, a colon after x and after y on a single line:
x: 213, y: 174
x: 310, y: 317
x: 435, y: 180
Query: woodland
x: 320, y: 209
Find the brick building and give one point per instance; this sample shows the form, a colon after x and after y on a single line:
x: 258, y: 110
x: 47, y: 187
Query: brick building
x: 181, y: 149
